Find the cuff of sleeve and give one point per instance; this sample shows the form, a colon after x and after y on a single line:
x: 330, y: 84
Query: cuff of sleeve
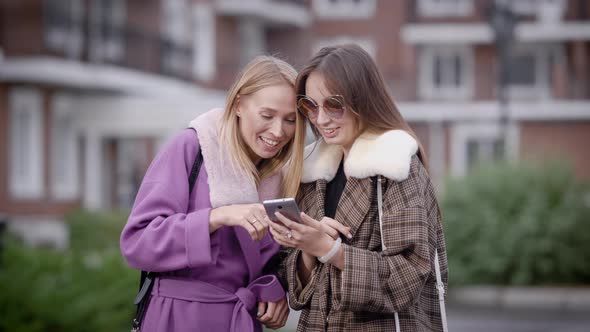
x: 300, y: 296
x: 202, y: 247
x: 355, y: 260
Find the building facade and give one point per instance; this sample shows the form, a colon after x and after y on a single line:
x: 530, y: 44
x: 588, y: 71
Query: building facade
x: 441, y: 63
x: 89, y: 89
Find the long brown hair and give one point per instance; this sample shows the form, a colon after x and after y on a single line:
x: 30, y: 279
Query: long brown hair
x: 351, y: 72
x: 261, y: 72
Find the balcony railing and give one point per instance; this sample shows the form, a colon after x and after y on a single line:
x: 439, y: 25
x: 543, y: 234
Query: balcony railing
x: 123, y: 45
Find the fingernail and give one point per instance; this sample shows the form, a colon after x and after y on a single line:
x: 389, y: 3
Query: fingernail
x: 349, y: 236
x: 258, y: 313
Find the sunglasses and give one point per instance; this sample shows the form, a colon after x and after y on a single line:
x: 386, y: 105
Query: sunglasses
x: 333, y: 106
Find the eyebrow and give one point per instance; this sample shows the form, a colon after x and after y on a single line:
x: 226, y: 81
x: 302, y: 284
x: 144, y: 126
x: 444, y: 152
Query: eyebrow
x: 264, y: 108
x: 268, y: 109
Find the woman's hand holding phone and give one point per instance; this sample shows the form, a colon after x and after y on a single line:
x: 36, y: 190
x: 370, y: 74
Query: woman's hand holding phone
x: 311, y: 236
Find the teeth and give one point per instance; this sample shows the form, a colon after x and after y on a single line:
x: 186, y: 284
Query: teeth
x: 329, y: 131
x: 269, y: 141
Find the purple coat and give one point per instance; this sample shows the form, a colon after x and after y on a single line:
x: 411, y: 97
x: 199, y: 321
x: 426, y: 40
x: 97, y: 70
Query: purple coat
x: 209, y: 282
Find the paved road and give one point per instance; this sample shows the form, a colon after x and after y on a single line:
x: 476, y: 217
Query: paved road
x: 493, y: 320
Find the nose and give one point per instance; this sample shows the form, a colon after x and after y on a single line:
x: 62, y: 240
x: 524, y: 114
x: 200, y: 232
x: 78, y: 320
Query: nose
x: 322, y: 118
x: 276, y: 128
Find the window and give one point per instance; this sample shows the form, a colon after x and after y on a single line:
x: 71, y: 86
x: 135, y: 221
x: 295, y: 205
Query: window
x: 445, y: 7
x: 64, y: 21
x: 203, y: 42
x: 473, y: 143
x: 446, y: 73
x: 107, y: 30
x: 483, y: 150
x: 64, y: 149
x: 26, y: 144
x: 545, y: 10
x: 366, y: 43
x: 529, y: 70
x: 176, y: 57
x: 347, y: 9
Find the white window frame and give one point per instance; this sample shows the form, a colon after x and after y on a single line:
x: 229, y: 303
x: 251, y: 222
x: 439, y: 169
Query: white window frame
x: 545, y: 10
x: 464, y: 132
x: 67, y: 39
x: 64, y: 149
x: 344, y: 9
x: 176, y: 31
x: 367, y: 44
x: 438, y: 8
x: 103, y: 47
x: 26, y: 157
x: 427, y: 88
x: 542, y: 87
x: 203, y: 42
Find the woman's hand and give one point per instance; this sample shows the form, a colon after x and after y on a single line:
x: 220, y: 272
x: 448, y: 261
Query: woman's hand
x: 311, y: 236
x: 333, y: 227
x: 251, y: 217
x: 273, y: 314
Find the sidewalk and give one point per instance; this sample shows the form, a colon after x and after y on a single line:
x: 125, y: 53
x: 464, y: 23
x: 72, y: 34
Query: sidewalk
x: 561, y: 299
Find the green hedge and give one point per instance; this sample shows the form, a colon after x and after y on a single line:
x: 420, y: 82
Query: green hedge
x: 87, y: 288
x: 518, y: 225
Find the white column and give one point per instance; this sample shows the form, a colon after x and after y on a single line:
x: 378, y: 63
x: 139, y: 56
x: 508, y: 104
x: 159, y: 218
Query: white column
x: 251, y: 38
x: 513, y: 140
x: 93, y: 174
x: 204, y: 42
x: 436, y: 155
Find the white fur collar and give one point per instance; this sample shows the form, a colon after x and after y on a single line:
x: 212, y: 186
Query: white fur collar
x: 388, y: 154
x: 228, y: 185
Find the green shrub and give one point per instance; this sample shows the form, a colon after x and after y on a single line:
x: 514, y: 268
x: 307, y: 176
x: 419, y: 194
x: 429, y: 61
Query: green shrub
x: 518, y: 225
x: 87, y: 288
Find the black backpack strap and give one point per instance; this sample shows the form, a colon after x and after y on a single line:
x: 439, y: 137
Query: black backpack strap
x: 146, y: 280
x: 192, y: 179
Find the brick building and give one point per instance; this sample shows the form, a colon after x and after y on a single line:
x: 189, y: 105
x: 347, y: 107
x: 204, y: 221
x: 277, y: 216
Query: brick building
x: 90, y: 88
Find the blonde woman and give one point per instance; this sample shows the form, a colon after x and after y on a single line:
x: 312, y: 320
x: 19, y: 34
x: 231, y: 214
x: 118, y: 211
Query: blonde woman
x: 211, y: 244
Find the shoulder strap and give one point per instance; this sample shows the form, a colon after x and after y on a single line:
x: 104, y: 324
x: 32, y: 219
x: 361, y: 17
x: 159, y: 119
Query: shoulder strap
x: 195, y: 171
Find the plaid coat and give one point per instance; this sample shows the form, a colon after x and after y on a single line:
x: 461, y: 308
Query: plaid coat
x: 374, y: 283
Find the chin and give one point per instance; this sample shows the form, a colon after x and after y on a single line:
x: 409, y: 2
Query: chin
x: 265, y: 154
x: 333, y: 141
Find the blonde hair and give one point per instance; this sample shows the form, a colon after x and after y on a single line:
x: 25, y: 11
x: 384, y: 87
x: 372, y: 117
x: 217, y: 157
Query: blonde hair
x: 261, y: 72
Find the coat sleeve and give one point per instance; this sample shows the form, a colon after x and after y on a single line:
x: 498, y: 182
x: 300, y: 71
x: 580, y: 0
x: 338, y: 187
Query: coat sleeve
x: 160, y: 235
x: 299, y: 296
x: 392, y: 280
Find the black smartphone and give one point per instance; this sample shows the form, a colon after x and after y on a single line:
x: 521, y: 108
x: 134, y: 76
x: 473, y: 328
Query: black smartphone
x: 286, y: 206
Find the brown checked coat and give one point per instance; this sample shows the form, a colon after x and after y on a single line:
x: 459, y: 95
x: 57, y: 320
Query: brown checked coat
x: 374, y: 283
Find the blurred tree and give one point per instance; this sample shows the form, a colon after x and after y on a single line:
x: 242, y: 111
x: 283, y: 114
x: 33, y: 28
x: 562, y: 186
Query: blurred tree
x: 518, y: 225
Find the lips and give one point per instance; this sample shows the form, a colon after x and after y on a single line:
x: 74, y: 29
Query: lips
x: 329, y: 132
x: 269, y: 142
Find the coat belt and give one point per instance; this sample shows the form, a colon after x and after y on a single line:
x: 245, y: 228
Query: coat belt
x: 266, y: 288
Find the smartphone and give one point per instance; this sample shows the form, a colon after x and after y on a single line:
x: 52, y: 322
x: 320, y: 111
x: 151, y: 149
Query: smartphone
x: 286, y: 206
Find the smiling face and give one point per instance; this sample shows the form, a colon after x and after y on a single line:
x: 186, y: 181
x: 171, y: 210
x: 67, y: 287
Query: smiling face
x: 267, y: 120
x: 341, y: 131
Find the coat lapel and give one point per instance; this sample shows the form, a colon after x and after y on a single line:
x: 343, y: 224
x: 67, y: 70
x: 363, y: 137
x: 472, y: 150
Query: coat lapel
x: 354, y: 203
x: 320, y: 201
